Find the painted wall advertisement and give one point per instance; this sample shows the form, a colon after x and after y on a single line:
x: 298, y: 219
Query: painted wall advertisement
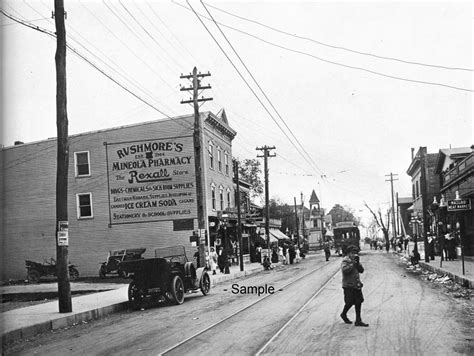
x: 151, y: 180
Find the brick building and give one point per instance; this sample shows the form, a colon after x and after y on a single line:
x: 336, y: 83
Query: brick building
x: 425, y: 186
x: 130, y: 186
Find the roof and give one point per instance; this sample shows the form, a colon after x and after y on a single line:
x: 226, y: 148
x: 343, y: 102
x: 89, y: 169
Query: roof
x: 455, y: 153
x: 314, y: 197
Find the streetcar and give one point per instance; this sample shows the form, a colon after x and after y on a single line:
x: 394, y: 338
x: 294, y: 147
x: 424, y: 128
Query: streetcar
x: 346, y: 234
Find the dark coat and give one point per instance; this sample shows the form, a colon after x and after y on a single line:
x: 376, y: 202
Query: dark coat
x: 350, y: 273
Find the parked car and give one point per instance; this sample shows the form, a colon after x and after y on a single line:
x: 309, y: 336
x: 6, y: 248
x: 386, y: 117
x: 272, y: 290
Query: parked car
x: 112, y: 265
x: 167, y: 277
x: 37, y: 270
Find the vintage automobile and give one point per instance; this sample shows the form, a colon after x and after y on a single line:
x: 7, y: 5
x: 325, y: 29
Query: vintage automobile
x: 37, y: 270
x: 167, y: 277
x: 112, y: 265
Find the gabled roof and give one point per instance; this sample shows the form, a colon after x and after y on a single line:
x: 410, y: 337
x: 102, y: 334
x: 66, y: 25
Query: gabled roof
x: 456, y: 153
x: 314, y: 197
x: 223, y: 116
x: 219, y: 122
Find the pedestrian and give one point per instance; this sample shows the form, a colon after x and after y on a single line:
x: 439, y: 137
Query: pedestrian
x: 298, y: 256
x: 327, y: 250
x: 451, y: 246
x: 267, y: 265
x: 259, y: 254
x: 281, y: 257
x: 291, y: 253
x: 221, y: 259
x: 415, y: 257
x: 405, y: 241
x: 213, y: 260
x: 351, y: 267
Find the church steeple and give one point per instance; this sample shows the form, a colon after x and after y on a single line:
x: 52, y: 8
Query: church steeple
x: 314, y: 198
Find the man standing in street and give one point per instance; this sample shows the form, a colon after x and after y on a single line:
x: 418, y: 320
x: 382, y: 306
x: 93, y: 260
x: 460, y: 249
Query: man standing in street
x: 352, y: 285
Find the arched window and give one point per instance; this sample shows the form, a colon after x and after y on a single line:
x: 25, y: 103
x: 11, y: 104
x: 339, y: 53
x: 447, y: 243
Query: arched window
x: 221, y: 197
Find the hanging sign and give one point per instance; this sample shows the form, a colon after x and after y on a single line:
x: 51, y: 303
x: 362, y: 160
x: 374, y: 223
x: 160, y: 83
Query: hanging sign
x: 459, y: 204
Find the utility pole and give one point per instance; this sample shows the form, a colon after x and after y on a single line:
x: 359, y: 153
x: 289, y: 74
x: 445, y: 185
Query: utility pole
x: 424, y: 201
x: 62, y: 237
x: 302, y: 215
x: 392, y: 178
x: 296, y: 224
x: 200, y: 195
x: 265, y: 156
x: 239, y: 223
x: 398, y: 214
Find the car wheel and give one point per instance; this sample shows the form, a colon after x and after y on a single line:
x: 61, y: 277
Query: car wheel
x: 33, y: 276
x: 177, y: 290
x: 135, y: 296
x: 205, y: 283
x: 73, y: 274
x: 102, y: 272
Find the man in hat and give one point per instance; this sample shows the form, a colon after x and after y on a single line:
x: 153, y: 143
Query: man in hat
x: 352, y: 285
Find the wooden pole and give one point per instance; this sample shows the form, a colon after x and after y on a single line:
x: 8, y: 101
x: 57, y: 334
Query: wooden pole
x: 64, y: 288
x: 239, y: 221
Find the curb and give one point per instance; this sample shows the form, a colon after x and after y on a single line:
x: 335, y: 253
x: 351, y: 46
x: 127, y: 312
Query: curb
x: 62, y: 322
x: 465, y: 282
x: 97, y: 313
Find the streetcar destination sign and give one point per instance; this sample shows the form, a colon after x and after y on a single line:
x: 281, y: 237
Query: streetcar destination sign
x: 459, y: 205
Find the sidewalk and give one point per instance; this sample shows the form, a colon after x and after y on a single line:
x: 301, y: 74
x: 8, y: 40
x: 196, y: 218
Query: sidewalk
x: 26, y: 322
x: 452, y: 269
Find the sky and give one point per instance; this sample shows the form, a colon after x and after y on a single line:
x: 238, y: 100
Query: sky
x: 343, y: 90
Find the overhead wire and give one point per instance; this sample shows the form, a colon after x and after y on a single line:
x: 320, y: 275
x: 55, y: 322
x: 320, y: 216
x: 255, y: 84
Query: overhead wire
x: 242, y: 77
x: 76, y: 52
x: 342, y: 47
x: 139, y: 38
x: 148, y: 33
x: 133, y: 80
x: 258, y: 85
x: 119, y: 71
x: 337, y: 63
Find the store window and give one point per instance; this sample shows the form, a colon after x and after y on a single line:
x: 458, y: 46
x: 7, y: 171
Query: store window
x: 82, y: 164
x: 84, y: 206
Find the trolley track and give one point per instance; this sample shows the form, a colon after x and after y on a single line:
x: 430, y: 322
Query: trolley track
x: 238, y: 316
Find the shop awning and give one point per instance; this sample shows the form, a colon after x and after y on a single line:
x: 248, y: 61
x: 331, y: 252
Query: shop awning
x: 278, y: 234
x: 250, y: 225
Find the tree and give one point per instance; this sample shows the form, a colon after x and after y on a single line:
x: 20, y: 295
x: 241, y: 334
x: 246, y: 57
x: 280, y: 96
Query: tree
x: 250, y: 171
x: 379, y: 222
x: 340, y: 213
x: 285, y: 213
